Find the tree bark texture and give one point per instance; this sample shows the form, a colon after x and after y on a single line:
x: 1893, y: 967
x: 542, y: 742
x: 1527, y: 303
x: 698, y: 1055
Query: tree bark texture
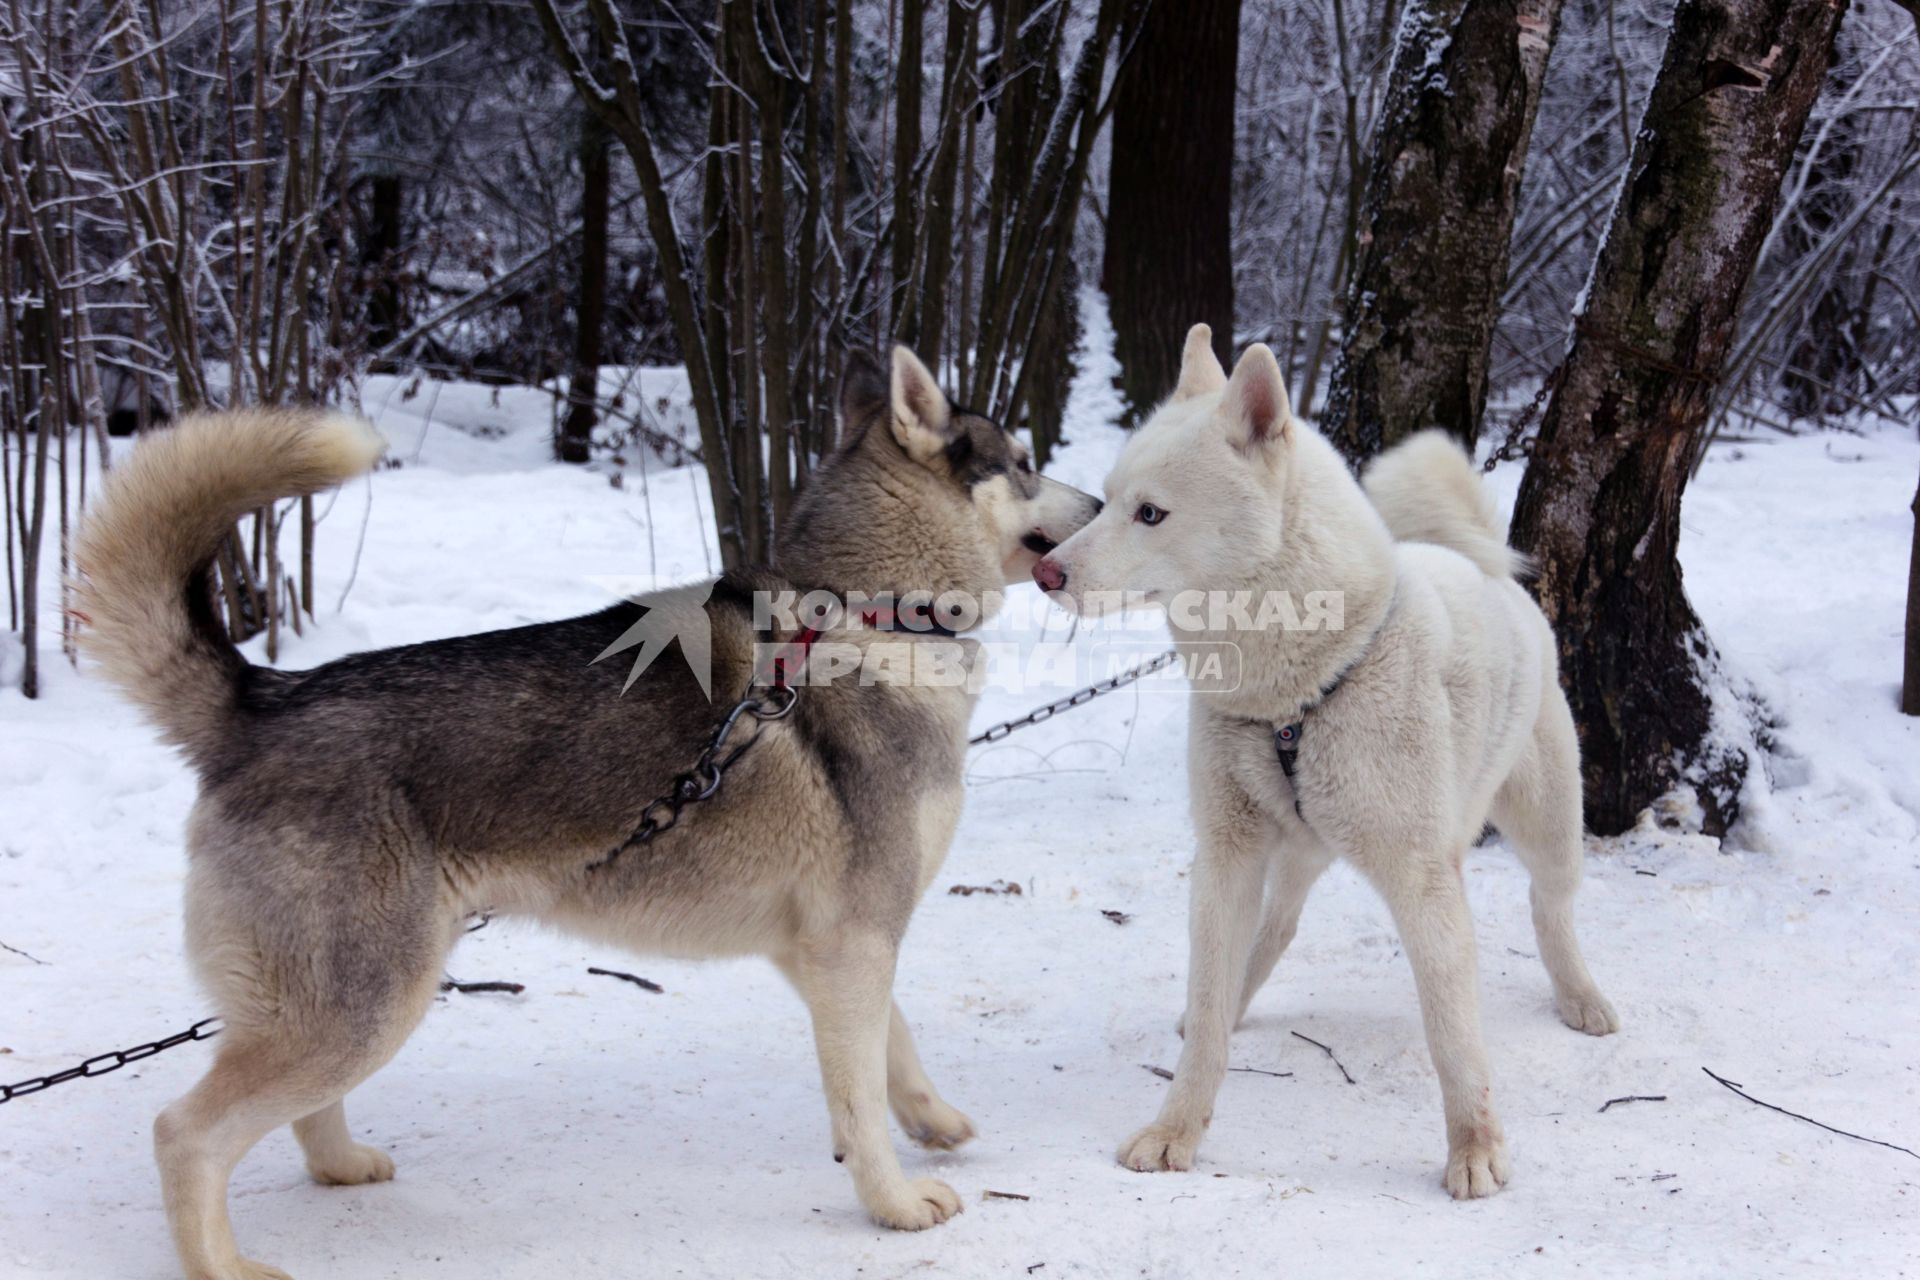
x: 590, y: 314
x: 1436, y: 222
x: 1168, y: 260
x: 1910, y: 677
x: 1599, y: 508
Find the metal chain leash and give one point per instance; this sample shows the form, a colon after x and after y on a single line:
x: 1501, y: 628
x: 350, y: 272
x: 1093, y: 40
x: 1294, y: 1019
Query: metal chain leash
x: 102, y: 1064
x: 703, y: 779
x: 1077, y: 698
x: 698, y: 783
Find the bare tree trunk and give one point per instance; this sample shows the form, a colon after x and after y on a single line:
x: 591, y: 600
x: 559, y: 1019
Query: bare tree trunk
x: 1437, y: 222
x: 808, y: 400
x: 590, y: 317
x: 1599, y: 508
x: 619, y: 107
x: 1910, y: 677
x: 1168, y: 260
x: 908, y: 78
x: 956, y: 97
x: 380, y: 258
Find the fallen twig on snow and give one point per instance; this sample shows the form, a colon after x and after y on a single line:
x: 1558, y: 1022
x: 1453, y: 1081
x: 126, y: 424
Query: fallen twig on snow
x: 1003, y: 1195
x: 1162, y: 1072
x: 23, y: 954
x: 1857, y: 1137
x: 1322, y: 1048
x: 481, y: 988
x: 1257, y: 1071
x: 998, y: 886
x: 1118, y: 917
x: 1632, y: 1097
x: 634, y: 978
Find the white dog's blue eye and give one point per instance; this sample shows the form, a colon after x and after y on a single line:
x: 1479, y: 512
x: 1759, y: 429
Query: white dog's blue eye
x: 1149, y: 514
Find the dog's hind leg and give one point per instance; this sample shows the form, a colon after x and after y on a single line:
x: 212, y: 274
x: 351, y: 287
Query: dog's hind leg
x: 312, y: 1009
x: 1290, y: 877
x: 1295, y: 871
x: 1429, y: 904
x: 846, y: 978
x: 263, y: 1076
x: 333, y: 1157
x: 1538, y: 810
x: 927, y: 1117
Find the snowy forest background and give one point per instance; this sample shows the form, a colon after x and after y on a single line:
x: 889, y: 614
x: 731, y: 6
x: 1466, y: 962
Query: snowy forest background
x: 593, y: 268
x: 1413, y: 201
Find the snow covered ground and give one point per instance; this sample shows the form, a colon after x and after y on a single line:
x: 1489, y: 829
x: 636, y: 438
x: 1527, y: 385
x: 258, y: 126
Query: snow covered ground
x: 588, y: 1128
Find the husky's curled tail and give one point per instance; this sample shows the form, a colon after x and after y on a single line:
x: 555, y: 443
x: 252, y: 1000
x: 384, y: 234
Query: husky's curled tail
x: 1426, y: 490
x: 144, y: 549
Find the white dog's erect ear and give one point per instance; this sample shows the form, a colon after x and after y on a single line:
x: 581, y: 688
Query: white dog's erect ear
x: 1200, y: 371
x: 1255, y: 404
x: 921, y: 416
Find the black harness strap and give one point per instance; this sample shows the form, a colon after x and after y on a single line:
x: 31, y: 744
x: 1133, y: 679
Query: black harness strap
x: 1286, y: 745
x: 1286, y: 737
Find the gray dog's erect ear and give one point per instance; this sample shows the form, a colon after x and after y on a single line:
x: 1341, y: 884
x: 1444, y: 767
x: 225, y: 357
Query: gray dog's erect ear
x: 921, y: 417
x: 863, y: 391
x: 1200, y: 371
x: 1255, y: 404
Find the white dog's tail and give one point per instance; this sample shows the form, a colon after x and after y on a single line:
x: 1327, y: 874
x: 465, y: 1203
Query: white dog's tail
x: 144, y: 547
x: 1426, y: 490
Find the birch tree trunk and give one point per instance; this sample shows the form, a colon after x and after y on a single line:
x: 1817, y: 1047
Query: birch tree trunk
x: 1436, y: 223
x: 1599, y: 508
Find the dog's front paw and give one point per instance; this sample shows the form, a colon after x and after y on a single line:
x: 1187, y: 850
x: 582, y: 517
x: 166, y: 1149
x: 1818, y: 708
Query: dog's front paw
x: 1161, y: 1147
x: 1588, y: 1011
x: 355, y: 1165
x: 921, y: 1203
x: 934, y: 1123
x: 1477, y: 1168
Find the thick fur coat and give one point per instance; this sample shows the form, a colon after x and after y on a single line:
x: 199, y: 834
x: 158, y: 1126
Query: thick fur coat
x: 351, y: 816
x: 1430, y: 707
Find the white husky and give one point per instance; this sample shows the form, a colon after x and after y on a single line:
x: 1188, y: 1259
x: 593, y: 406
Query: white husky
x: 1434, y: 708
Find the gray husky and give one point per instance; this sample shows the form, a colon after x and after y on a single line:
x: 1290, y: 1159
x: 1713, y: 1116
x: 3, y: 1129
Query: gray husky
x: 350, y: 817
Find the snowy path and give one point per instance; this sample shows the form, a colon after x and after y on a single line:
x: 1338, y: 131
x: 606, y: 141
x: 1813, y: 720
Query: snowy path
x: 588, y: 1128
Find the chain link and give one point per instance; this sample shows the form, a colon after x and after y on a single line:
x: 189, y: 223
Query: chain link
x: 703, y: 779
x: 102, y: 1064
x: 698, y: 783
x: 1077, y: 698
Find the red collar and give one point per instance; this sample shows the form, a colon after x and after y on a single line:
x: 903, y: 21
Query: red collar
x: 787, y: 662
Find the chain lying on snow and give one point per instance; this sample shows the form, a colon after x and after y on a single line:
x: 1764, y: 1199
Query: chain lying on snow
x: 112, y: 1060
x: 696, y: 784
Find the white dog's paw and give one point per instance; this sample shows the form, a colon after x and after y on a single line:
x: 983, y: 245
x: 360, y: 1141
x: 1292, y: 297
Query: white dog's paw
x: 1588, y: 1011
x: 921, y: 1203
x: 1161, y: 1147
x: 350, y: 1168
x: 1477, y: 1168
x: 933, y: 1122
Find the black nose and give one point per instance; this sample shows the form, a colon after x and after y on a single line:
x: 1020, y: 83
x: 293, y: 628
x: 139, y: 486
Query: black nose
x: 1099, y: 505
